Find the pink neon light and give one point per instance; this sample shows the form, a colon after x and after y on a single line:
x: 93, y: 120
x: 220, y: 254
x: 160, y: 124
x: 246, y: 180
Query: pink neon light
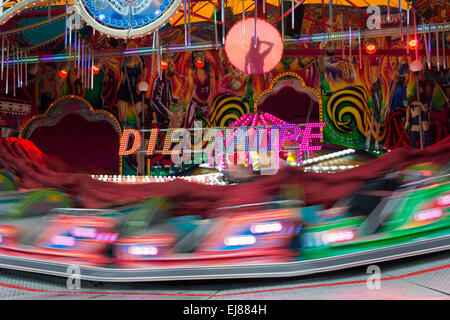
x: 63, y: 241
x: 307, y: 136
x: 238, y: 122
x: 338, y: 236
x: 254, y: 121
x: 239, y: 240
x: 444, y: 200
x: 428, y: 214
x: 263, y: 120
x: 286, y: 135
x: 274, y: 119
x: 143, y: 250
x: 83, y: 232
x: 210, y: 159
x: 266, y: 227
x: 106, y: 237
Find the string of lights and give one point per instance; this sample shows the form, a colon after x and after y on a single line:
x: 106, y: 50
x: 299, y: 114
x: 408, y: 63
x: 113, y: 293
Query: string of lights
x: 319, y: 37
x: 208, y: 179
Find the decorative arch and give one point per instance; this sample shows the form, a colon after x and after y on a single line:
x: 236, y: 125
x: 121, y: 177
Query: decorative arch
x: 73, y: 131
x: 289, y: 80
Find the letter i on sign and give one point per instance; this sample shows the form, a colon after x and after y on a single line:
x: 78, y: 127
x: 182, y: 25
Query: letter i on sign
x: 198, y: 142
x: 152, y: 141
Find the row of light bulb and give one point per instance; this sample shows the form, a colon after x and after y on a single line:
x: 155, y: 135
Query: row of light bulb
x: 330, y: 169
x: 209, y: 179
x: 329, y: 156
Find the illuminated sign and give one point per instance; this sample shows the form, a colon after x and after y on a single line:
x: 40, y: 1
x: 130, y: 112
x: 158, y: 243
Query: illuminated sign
x: 223, y: 141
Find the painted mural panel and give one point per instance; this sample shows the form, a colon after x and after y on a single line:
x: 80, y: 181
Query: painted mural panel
x: 363, y: 100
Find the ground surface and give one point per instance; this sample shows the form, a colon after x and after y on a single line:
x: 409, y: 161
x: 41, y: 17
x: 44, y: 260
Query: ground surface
x: 422, y: 277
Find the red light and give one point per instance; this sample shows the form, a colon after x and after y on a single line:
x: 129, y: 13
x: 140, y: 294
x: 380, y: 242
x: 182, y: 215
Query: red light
x: 95, y: 69
x: 371, y: 48
x: 199, y: 64
x: 164, y: 65
x: 62, y: 73
x: 412, y: 43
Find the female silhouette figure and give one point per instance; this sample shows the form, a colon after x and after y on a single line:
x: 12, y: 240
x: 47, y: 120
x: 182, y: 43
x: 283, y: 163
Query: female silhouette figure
x: 254, y: 56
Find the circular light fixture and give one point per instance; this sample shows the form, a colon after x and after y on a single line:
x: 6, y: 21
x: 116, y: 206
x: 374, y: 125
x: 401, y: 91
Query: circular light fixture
x: 412, y: 43
x: 199, y: 64
x: 250, y: 55
x: 95, y: 69
x: 143, y: 86
x: 63, y: 73
x: 371, y: 48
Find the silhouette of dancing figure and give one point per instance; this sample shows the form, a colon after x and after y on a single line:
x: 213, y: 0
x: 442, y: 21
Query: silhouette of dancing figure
x: 254, y: 56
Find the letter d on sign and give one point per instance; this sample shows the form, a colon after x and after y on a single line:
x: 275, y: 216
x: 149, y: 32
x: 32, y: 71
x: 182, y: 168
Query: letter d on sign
x: 74, y: 280
x: 124, y: 142
x: 373, y: 282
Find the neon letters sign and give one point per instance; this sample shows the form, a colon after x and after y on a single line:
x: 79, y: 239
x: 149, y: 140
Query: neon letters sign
x: 223, y: 141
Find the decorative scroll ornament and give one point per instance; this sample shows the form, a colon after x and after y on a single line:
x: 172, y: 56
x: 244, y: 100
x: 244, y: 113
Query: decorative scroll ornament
x: 113, y: 17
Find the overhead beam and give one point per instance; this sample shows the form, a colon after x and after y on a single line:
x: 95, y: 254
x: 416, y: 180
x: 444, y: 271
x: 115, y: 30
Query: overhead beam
x: 31, y: 26
x: 36, y: 14
x: 309, y: 52
x: 311, y: 38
